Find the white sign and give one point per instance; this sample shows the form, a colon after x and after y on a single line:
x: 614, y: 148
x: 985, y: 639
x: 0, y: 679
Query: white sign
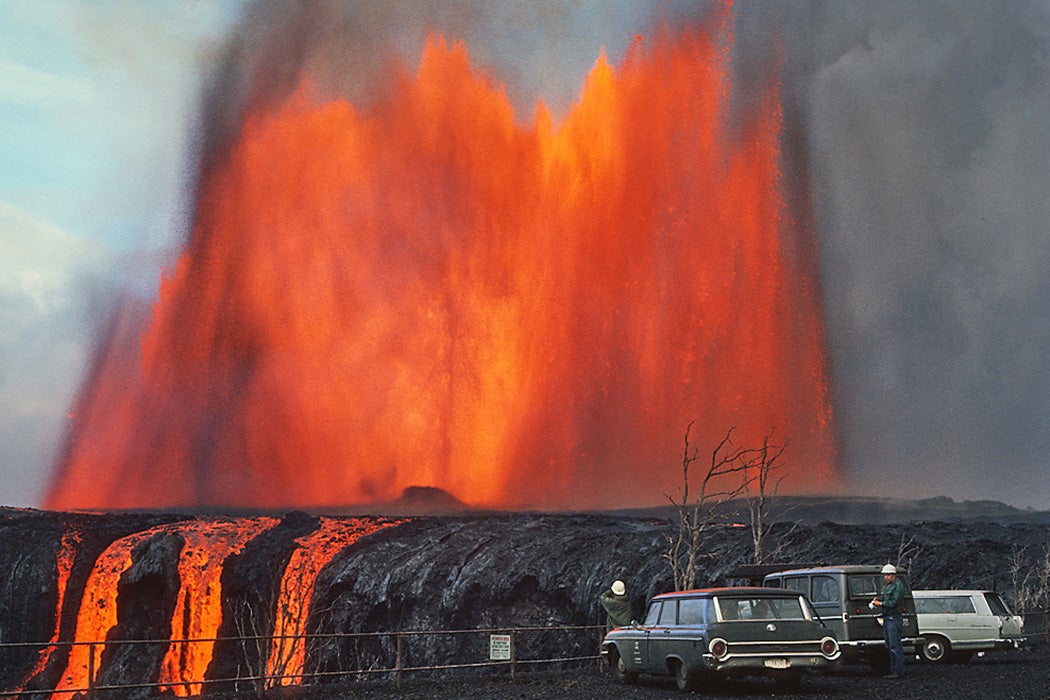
x: 499, y: 647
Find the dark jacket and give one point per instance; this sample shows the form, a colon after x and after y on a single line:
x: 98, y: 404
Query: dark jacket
x: 892, y: 597
x: 618, y: 609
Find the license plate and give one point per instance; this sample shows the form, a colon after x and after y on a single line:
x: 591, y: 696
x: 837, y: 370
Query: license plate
x: 776, y: 663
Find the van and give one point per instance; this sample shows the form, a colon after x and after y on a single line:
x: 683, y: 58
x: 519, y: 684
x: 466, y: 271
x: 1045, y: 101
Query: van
x: 955, y: 624
x: 840, y: 595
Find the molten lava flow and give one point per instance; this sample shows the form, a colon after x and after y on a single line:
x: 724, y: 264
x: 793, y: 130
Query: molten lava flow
x: 64, y: 558
x: 98, y: 610
x: 428, y: 293
x: 198, y: 608
x: 314, y: 551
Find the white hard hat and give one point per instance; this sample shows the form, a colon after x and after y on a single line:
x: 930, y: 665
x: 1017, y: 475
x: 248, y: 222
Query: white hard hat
x: 889, y: 569
x: 618, y: 588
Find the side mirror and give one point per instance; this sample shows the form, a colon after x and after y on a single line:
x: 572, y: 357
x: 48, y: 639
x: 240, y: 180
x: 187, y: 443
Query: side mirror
x: 634, y: 624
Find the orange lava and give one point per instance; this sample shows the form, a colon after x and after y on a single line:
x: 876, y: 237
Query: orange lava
x: 314, y: 552
x: 198, y: 610
x: 64, y: 558
x: 426, y: 292
x: 98, y: 612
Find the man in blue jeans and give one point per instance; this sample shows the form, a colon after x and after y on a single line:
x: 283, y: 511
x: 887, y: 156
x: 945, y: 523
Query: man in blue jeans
x: 892, y: 620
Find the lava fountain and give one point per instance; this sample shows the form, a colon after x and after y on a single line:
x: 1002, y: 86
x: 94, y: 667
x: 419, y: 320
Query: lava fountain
x: 424, y: 291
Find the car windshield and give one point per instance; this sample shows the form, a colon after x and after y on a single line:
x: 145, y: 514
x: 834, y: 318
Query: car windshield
x: 761, y: 608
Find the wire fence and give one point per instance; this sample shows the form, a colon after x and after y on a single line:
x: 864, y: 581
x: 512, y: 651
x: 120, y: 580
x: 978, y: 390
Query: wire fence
x: 390, y: 655
x: 1037, y: 625
x: 348, y: 657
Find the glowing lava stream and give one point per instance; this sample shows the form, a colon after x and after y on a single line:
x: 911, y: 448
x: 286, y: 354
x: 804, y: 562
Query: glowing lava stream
x: 198, y: 610
x: 208, y: 544
x: 67, y: 552
x: 314, y: 551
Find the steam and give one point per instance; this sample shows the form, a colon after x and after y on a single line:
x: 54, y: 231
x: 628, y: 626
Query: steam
x: 926, y: 138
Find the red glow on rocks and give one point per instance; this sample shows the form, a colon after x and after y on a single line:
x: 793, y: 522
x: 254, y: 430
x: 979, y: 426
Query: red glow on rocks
x: 428, y: 293
x: 198, y: 610
x: 313, y: 553
x: 197, y: 613
x: 67, y: 553
x: 98, y: 610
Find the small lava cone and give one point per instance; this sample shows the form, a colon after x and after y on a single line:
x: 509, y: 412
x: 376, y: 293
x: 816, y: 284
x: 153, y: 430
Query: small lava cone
x: 427, y: 500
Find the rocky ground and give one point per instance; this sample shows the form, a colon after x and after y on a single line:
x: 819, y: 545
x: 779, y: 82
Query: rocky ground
x: 473, y: 572
x: 1003, y: 675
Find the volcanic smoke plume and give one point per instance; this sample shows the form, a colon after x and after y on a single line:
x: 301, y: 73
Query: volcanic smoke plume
x: 424, y: 291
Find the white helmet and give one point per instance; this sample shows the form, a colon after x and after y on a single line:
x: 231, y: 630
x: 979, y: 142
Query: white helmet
x: 618, y: 588
x: 889, y: 569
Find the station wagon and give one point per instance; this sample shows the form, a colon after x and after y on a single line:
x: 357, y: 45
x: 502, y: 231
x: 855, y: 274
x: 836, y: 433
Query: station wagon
x: 727, y: 631
x: 955, y: 624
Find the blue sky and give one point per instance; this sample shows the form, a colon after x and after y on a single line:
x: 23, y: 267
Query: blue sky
x: 97, y: 110
x: 922, y: 129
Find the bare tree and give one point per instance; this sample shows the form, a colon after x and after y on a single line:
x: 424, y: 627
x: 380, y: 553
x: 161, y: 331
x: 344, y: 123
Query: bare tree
x: 695, y: 517
x: 907, y: 553
x: 275, y: 648
x: 1031, y: 580
x: 761, y: 485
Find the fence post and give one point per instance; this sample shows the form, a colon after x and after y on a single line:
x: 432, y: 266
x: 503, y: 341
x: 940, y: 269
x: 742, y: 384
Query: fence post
x: 399, y: 661
x: 513, y: 655
x: 91, y: 671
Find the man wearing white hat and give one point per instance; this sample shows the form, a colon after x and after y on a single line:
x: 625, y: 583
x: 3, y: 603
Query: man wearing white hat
x: 616, y: 605
x: 892, y: 619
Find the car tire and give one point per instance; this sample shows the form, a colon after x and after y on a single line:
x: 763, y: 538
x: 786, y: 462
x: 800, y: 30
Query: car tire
x: 936, y: 649
x: 684, y: 679
x: 619, y: 669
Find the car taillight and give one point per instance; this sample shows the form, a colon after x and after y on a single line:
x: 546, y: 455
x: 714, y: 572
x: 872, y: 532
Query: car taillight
x: 829, y: 647
x: 719, y: 648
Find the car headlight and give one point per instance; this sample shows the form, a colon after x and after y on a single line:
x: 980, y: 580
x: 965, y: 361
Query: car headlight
x: 829, y: 647
x: 718, y: 648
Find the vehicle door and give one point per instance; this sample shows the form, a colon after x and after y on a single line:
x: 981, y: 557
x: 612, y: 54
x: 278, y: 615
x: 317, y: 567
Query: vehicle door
x: 660, y: 637
x: 934, y: 616
x: 634, y: 643
x: 968, y: 624
x: 863, y: 622
x: 825, y: 595
x: 1010, y: 625
x: 694, y: 615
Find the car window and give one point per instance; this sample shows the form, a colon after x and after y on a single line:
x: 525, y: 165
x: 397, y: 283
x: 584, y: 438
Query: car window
x: 997, y: 605
x: 825, y: 590
x: 796, y: 583
x: 864, y: 586
x: 945, y: 605
x: 961, y: 605
x: 654, y: 612
x: 667, y: 617
x: 761, y: 608
x: 931, y: 606
x: 695, y: 611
